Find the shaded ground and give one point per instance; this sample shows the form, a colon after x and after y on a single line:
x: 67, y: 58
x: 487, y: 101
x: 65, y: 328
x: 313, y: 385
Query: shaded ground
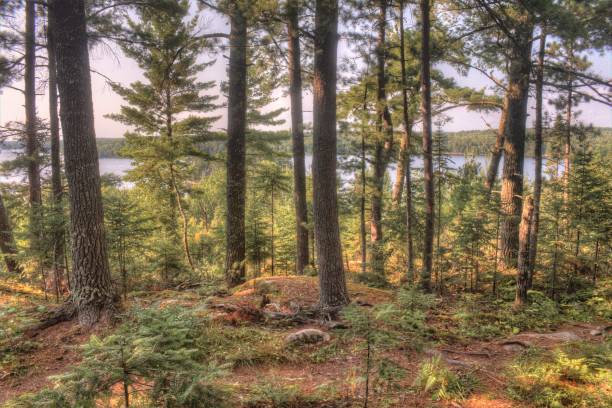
x: 336, y: 367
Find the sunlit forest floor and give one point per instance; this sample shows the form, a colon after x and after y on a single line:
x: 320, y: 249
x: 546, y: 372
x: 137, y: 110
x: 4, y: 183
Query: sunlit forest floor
x: 468, y: 350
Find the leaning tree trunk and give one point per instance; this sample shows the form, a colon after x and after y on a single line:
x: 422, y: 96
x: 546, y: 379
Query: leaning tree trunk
x: 498, y: 149
x: 427, y: 147
x: 522, y: 277
x: 297, y: 137
x: 332, y: 282
x: 56, y: 165
x: 382, y: 146
x: 7, y: 243
x: 92, y: 291
x: 236, y: 149
x: 514, y: 143
x: 32, y: 148
x: 537, y: 184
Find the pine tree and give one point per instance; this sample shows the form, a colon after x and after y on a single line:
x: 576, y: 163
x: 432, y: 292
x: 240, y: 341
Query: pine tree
x: 166, y: 45
x: 93, y: 295
x: 332, y: 282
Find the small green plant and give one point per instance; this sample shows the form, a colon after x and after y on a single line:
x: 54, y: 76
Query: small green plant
x: 441, y: 383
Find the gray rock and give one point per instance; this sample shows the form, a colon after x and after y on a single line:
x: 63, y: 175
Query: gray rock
x: 307, y: 336
x: 562, y: 336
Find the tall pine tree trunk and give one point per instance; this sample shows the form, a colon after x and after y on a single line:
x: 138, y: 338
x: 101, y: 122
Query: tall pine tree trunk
x: 537, y: 184
x: 427, y: 147
x: 332, y: 282
x: 498, y: 149
x: 405, y: 158
x: 32, y: 148
x: 56, y: 164
x: 7, y: 243
x: 514, y: 143
x: 92, y: 290
x: 522, y: 277
x: 236, y: 149
x: 297, y: 137
x: 382, y: 145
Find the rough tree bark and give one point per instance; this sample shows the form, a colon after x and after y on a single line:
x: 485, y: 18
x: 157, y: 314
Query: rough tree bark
x: 7, y: 243
x: 332, y: 283
x: 427, y: 147
x: 56, y: 165
x: 498, y: 149
x: 236, y: 149
x: 382, y: 146
x: 514, y: 143
x: 537, y: 184
x: 522, y: 277
x: 297, y: 137
x: 32, y: 148
x: 93, y: 296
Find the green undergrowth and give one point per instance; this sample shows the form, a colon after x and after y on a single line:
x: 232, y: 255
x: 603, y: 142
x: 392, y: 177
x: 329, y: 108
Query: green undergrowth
x: 440, y: 383
x: 273, y: 394
x: 576, y: 375
x: 483, y: 317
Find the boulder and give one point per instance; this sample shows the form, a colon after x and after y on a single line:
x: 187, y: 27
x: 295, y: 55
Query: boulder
x: 307, y: 336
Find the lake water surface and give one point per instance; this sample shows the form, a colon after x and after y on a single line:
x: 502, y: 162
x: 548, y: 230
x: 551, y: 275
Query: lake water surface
x: 119, y: 167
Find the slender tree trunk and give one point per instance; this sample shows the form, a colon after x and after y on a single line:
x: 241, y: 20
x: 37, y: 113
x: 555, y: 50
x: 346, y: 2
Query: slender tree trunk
x: 405, y: 159
x: 567, y: 147
x: 498, y: 149
x: 185, y: 221
x: 427, y: 147
x: 555, y: 265
x: 236, y: 149
x: 32, y: 148
x: 92, y: 291
x: 7, y: 243
x: 514, y: 143
x: 522, y: 277
x: 297, y: 137
x: 495, y: 261
x: 362, y: 201
x: 56, y: 164
x: 596, y: 262
x: 174, y: 183
x: 272, y: 234
x: 537, y: 184
x: 382, y: 146
x: 332, y: 282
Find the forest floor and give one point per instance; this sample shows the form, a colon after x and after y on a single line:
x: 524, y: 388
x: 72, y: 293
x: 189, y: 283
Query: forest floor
x: 459, y: 365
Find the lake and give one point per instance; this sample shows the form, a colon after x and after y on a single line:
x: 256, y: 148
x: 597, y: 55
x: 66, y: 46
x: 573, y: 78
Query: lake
x: 119, y: 167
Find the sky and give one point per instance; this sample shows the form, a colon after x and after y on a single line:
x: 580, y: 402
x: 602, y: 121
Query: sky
x: 108, y: 61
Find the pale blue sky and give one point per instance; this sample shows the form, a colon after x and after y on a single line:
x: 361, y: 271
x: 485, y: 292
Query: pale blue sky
x: 112, y: 64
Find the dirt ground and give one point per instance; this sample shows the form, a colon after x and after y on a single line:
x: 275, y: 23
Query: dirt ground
x: 55, y: 349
